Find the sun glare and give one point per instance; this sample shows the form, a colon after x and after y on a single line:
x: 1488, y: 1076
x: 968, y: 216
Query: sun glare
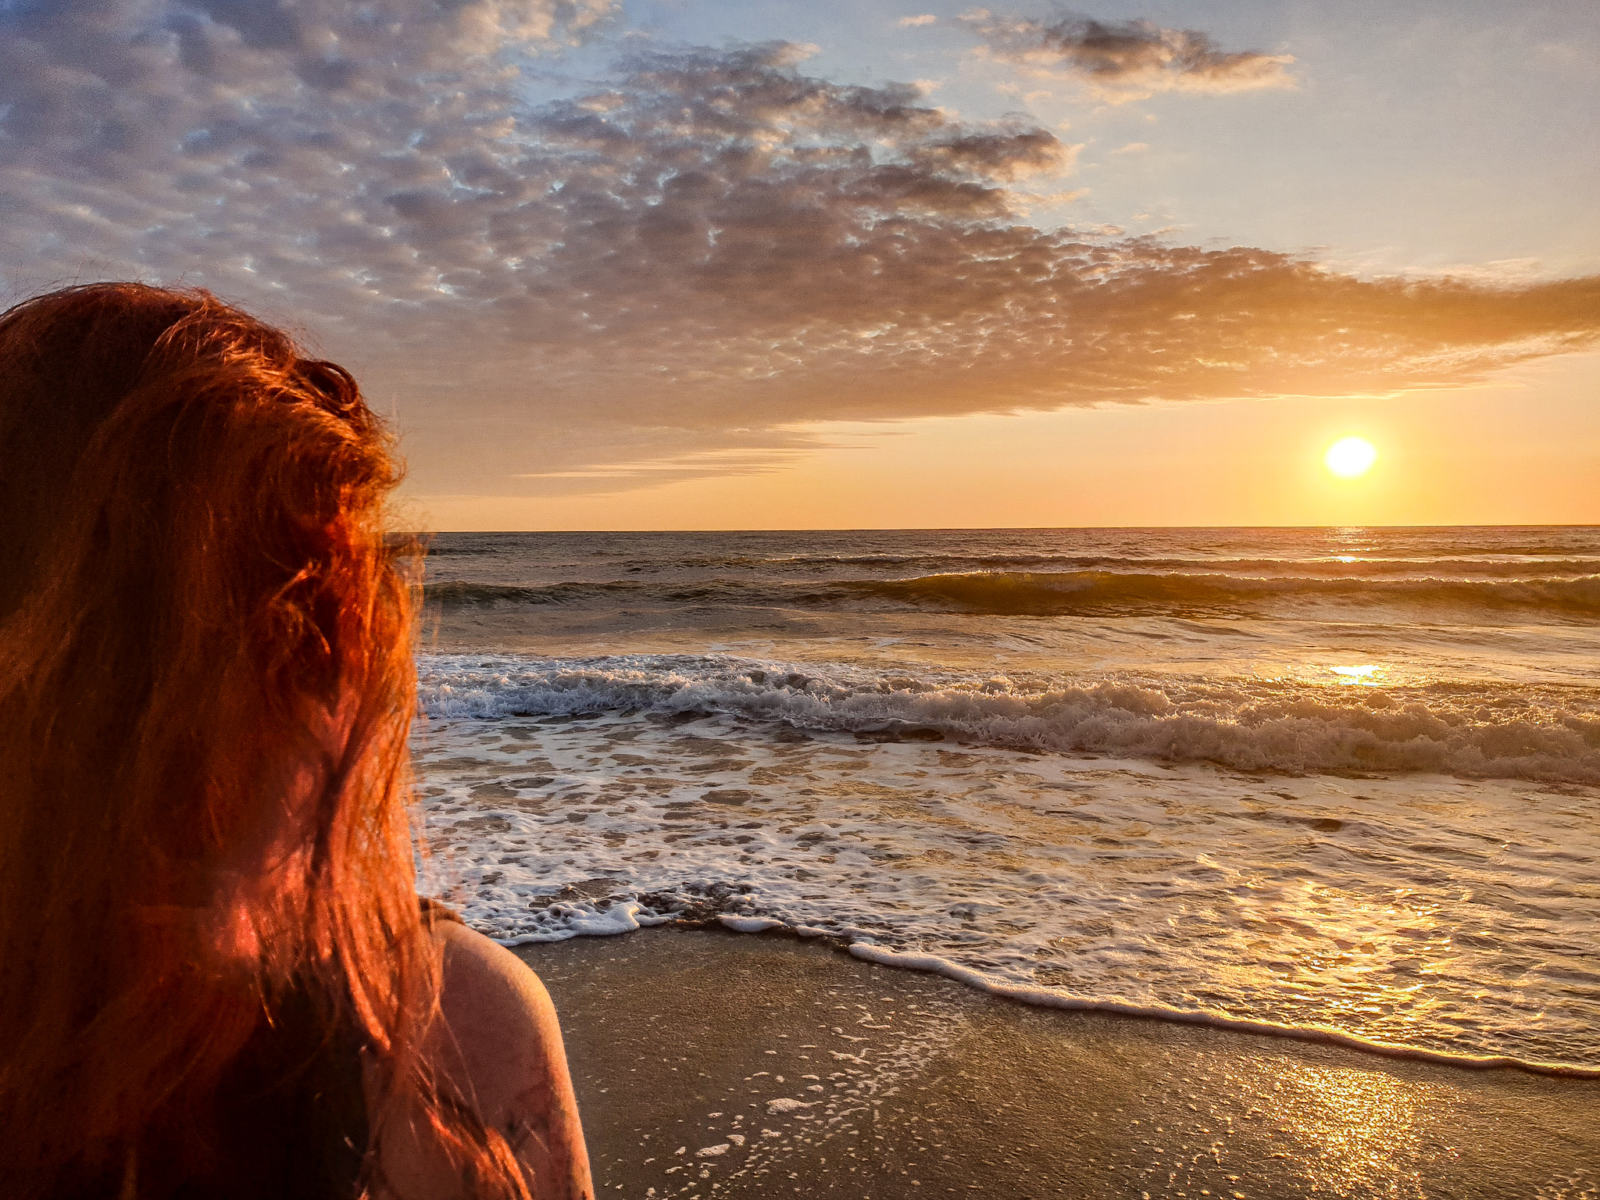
x: 1351, y: 456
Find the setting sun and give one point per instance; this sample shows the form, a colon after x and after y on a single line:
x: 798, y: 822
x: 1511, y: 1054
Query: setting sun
x: 1351, y: 456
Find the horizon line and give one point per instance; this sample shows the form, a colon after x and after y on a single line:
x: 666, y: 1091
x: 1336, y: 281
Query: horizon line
x: 1008, y: 528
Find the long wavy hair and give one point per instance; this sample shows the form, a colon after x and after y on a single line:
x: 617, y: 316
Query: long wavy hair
x: 206, y: 685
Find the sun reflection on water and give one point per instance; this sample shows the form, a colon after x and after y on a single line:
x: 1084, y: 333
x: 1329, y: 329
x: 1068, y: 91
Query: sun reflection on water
x: 1367, y: 674
x: 1360, y: 1126
x: 1357, y: 962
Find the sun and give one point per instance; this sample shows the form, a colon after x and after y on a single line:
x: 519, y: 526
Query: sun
x: 1351, y: 456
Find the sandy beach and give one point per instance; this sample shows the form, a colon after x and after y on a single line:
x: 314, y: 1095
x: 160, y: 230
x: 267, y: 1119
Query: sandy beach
x: 717, y: 1064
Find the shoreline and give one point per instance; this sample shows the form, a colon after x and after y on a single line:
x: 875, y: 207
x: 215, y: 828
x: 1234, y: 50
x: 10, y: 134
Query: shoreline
x: 1035, y: 997
x: 1322, y: 1034
x: 714, y: 1063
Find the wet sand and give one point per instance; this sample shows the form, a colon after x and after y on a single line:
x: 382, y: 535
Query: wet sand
x: 714, y: 1064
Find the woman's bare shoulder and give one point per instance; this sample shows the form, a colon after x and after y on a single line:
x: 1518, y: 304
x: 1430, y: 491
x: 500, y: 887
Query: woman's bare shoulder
x: 500, y: 1046
x: 493, y: 1004
x: 497, y: 1047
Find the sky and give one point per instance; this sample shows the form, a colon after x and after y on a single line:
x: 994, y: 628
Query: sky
x: 697, y: 264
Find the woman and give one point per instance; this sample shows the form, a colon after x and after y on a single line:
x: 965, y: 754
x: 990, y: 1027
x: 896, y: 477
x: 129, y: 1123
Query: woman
x: 215, y: 975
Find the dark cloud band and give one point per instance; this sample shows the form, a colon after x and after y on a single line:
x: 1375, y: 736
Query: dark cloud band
x: 1129, y: 58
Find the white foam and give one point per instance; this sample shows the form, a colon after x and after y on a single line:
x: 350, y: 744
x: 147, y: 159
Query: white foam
x: 1448, y: 914
x: 749, y: 924
x: 1287, y: 725
x: 787, y: 1104
x: 561, y: 922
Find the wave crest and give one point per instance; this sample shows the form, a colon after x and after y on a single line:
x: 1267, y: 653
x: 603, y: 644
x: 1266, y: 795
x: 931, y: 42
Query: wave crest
x: 1251, y: 725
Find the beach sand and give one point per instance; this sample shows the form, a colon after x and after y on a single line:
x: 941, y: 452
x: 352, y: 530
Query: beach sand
x: 715, y: 1064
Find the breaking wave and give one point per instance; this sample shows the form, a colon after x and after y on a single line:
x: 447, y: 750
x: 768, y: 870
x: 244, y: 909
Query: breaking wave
x: 1501, y: 731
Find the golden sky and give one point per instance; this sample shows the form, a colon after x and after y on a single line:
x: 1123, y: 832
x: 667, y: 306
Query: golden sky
x: 848, y: 264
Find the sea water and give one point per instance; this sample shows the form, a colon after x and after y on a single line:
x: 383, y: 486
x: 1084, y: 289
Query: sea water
x: 1329, y: 782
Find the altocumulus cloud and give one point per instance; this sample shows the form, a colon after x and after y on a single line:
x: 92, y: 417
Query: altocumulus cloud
x: 1127, y: 60
x: 695, y: 256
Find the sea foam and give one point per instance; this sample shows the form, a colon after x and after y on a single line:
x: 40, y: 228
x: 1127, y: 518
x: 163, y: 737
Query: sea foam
x: 1451, y: 916
x: 1546, y: 735
x: 1053, y: 998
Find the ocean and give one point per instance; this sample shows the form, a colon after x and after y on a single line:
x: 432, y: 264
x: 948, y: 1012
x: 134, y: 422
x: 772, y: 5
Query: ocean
x: 1328, y: 783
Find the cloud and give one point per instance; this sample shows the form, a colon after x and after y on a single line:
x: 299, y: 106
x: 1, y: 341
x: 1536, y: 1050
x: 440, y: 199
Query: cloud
x: 1004, y: 155
x: 689, y: 262
x: 1127, y: 60
x: 919, y: 19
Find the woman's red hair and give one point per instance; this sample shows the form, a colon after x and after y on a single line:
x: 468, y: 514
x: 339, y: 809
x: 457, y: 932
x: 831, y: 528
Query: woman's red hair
x: 206, y: 686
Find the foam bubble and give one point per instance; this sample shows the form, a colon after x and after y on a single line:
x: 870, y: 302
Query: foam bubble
x: 749, y: 924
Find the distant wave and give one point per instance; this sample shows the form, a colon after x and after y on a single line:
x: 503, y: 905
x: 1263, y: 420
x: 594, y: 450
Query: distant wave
x: 462, y: 592
x: 931, y: 562
x: 1245, y: 725
x: 1105, y: 592
x: 1039, y: 593
x: 1339, y: 568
